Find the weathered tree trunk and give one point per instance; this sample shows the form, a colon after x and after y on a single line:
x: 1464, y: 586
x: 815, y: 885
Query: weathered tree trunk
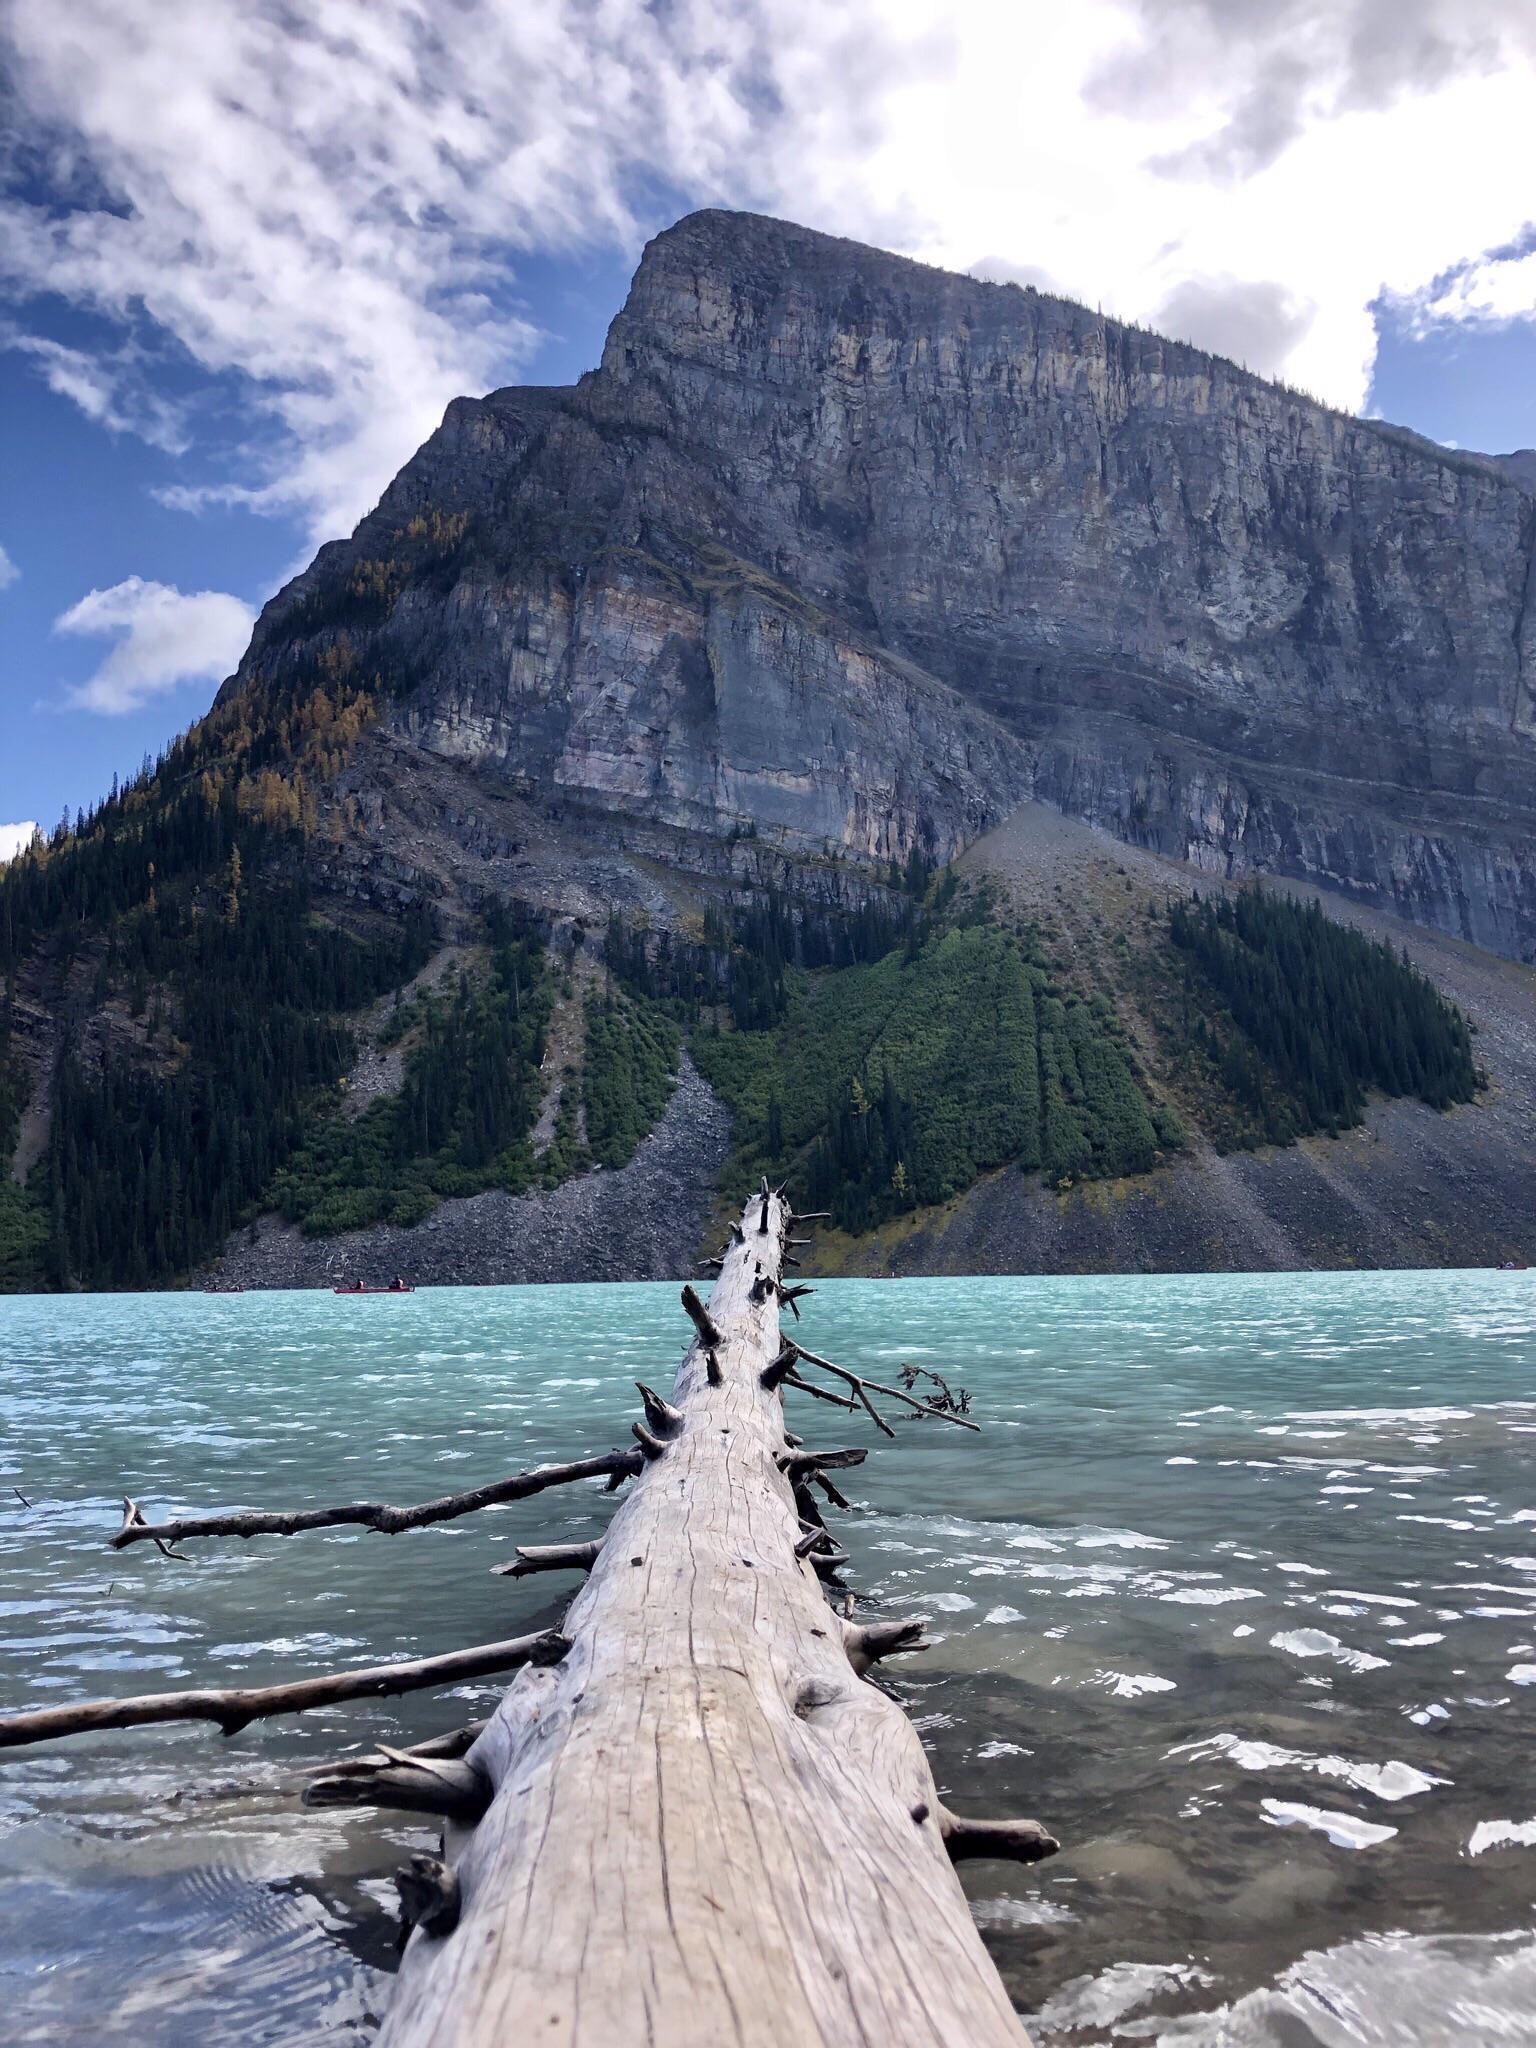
x: 706, y: 1827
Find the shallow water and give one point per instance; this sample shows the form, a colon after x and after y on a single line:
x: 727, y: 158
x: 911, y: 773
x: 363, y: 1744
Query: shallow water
x: 1237, y: 1593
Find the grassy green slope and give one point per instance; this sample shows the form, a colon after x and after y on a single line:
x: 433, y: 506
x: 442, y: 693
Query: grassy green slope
x: 895, y: 1084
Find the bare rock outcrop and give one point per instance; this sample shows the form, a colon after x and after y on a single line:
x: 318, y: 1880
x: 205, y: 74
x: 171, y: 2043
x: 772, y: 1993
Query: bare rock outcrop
x: 848, y: 554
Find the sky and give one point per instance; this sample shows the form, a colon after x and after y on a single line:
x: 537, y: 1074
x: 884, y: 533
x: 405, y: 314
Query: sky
x: 249, y: 252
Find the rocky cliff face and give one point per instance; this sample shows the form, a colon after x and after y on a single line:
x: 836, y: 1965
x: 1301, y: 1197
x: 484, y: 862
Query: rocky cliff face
x: 850, y: 555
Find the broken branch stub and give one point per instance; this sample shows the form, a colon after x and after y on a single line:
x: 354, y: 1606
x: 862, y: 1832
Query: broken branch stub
x: 429, y: 1895
x: 808, y: 1464
x: 698, y: 1315
x: 660, y: 1415
x: 1002, y: 1841
x: 549, y: 1557
x: 405, y: 1780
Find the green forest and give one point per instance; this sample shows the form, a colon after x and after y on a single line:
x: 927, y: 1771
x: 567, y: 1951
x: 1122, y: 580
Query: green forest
x: 895, y: 1084
x: 460, y: 1121
x: 1299, y: 1018
x: 885, y: 1057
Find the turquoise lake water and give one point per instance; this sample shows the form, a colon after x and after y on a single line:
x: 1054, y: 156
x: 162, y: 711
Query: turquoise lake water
x: 1237, y: 1593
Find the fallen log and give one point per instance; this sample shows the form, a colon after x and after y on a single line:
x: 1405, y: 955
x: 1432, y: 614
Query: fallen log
x: 232, y: 1709
x: 706, y: 1826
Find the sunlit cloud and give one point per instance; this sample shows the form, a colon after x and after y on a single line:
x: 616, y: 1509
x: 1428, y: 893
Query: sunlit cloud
x: 163, y: 638
x: 326, y: 209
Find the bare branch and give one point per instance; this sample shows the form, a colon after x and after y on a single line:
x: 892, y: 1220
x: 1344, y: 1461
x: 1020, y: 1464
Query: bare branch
x: 389, y: 1521
x: 233, y: 1709
x: 857, y: 1381
x: 869, y: 1408
x: 549, y: 1557
x: 651, y: 1446
x: 134, y: 1521
x: 820, y: 1393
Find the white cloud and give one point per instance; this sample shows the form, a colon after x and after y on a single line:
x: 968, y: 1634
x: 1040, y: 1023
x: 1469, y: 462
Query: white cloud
x: 13, y: 838
x: 327, y: 203
x: 8, y: 570
x: 1492, y: 290
x: 113, y: 389
x: 164, y: 637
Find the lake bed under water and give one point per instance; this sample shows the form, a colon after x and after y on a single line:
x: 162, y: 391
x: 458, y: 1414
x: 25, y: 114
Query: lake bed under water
x: 1236, y: 1593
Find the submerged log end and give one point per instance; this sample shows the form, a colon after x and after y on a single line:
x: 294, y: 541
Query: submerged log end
x: 429, y: 1895
x: 1001, y: 1841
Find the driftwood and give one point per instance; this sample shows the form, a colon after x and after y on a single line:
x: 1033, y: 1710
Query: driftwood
x: 707, y: 1826
x: 615, y: 1466
x: 233, y: 1709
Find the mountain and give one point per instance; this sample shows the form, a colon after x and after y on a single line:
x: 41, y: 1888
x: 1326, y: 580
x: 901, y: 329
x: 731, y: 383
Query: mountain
x: 655, y: 706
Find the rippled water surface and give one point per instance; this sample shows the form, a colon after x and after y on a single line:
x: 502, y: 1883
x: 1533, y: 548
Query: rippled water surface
x: 1237, y: 1593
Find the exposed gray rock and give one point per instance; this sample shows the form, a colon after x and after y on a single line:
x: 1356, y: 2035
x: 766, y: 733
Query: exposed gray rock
x: 849, y: 554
